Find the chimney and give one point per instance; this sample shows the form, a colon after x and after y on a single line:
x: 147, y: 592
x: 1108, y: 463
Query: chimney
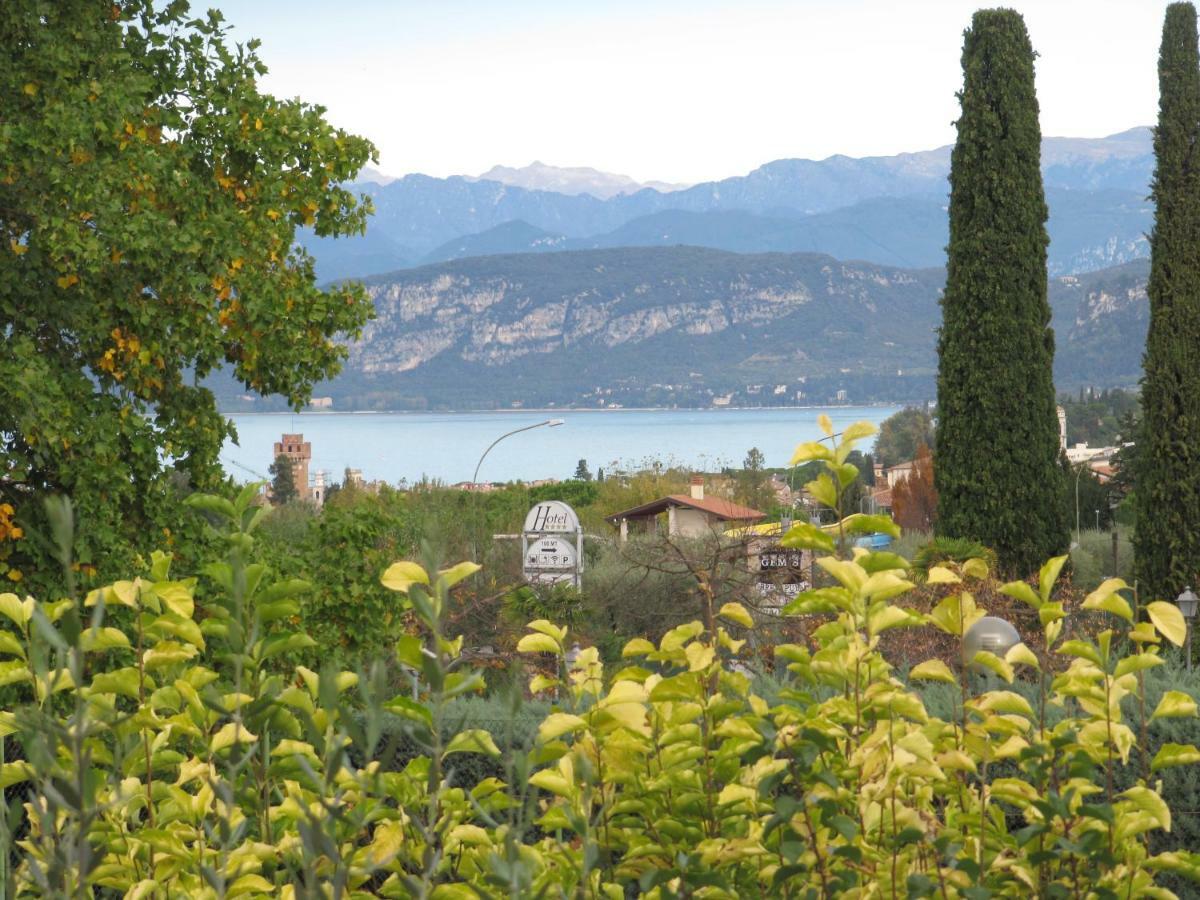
x: 697, y: 487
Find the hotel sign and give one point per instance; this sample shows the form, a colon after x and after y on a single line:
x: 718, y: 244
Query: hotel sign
x: 551, y: 517
x: 552, y: 545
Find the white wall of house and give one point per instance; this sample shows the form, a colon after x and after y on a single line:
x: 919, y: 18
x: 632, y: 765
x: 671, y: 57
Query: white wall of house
x: 692, y: 522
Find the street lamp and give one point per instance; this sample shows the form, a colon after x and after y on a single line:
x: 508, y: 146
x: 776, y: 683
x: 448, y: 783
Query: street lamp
x: 1187, y: 606
x: 551, y: 423
x: 992, y: 634
x: 1078, y: 472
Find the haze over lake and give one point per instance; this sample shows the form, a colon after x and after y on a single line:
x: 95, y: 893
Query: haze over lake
x: 447, y: 446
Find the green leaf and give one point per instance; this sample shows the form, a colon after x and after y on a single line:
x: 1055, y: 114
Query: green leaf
x: 212, y: 504
x: 805, y: 536
x: 991, y: 661
x: 13, y: 671
x: 823, y: 490
x: 858, y: 430
x: 14, y: 773
x: 1020, y: 590
x: 1137, y: 663
x: 12, y: 607
x: 177, y: 595
x: 410, y: 651
x: 100, y: 639
x: 1106, y: 598
x: 409, y: 709
x: 1006, y: 702
x: 956, y: 614
x: 1048, y: 575
x: 1174, y: 705
x: 864, y: 524
x: 1175, y: 755
x: 637, y: 647
x: 474, y: 740
x: 121, y: 681
x: 9, y: 644
x: 401, y: 576
x: 1081, y: 650
x: 285, y: 643
x: 455, y: 574
x: 1168, y: 620
x: 809, y: 451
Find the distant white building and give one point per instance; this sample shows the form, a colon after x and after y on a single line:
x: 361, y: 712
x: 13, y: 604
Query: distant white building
x: 1062, y: 428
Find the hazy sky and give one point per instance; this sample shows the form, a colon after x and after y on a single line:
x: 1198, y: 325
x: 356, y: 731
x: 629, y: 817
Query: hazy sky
x: 680, y: 91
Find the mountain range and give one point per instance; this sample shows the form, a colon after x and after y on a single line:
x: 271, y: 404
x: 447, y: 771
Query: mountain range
x: 692, y: 326
x: 879, y: 209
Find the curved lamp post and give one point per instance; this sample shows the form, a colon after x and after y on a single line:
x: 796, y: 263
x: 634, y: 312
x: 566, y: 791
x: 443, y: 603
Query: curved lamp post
x: 550, y: 423
x: 1187, y: 606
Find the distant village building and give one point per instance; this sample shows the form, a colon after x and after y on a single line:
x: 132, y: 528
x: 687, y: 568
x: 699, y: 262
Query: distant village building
x: 295, y: 449
x: 1062, y: 427
x: 688, y: 515
x: 318, y: 488
x: 321, y: 403
x: 898, y: 473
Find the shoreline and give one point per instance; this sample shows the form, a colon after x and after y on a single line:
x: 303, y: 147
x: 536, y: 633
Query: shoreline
x: 552, y: 410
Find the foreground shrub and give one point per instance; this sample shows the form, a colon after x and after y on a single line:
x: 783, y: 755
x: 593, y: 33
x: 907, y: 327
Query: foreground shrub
x: 167, y: 757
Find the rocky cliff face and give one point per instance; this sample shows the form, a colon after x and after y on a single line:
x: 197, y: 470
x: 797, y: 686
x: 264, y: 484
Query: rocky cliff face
x: 585, y: 307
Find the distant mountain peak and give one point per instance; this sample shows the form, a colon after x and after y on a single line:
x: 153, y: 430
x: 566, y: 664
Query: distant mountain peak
x: 572, y: 180
x: 372, y: 175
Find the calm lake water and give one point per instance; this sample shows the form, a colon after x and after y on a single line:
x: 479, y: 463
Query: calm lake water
x: 446, y: 446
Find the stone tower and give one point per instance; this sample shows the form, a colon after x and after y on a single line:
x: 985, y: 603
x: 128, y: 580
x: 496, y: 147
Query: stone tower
x: 294, y: 447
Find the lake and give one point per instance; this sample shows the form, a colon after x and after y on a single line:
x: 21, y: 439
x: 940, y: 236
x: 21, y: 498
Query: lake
x: 447, y: 446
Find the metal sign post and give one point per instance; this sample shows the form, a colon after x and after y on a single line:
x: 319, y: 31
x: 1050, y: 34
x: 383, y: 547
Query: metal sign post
x: 548, y: 555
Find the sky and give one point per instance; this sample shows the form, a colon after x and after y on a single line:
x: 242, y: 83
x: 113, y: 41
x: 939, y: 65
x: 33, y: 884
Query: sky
x: 679, y: 90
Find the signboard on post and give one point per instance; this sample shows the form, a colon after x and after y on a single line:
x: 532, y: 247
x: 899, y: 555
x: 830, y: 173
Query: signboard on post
x: 552, y: 545
x: 780, y: 575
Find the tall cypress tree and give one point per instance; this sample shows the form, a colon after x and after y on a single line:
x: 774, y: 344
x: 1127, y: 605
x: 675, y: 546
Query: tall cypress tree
x: 1167, y: 537
x: 997, y: 467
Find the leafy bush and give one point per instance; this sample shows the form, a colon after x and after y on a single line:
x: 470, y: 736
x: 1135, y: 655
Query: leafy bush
x: 188, y: 766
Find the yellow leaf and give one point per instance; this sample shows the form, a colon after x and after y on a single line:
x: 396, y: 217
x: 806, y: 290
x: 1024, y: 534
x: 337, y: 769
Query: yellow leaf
x: 457, y: 573
x: 30, y: 88
x: 401, y: 576
x: 11, y: 606
x: 1106, y: 598
x: 637, y: 647
x: 538, y: 643
x: 932, y: 670
x: 474, y: 740
x: 699, y: 657
x: 1168, y: 620
x: 1020, y: 654
x: 1174, y: 705
x: 826, y: 425
x: 942, y: 575
x: 230, y: 734
x: 735, y: 612
x: 556, y: 725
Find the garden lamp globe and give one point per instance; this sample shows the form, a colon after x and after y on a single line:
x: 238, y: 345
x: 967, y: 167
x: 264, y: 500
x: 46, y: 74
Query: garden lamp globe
x: 992, y: 634
x: 1187, y: 603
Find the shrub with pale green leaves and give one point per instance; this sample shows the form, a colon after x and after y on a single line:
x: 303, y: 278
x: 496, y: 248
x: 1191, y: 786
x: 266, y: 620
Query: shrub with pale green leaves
x: 169, y: 758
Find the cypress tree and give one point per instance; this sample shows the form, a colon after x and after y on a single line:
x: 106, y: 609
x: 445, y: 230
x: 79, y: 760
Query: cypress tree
x: 997, y: 468
x: 1167, y: 488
